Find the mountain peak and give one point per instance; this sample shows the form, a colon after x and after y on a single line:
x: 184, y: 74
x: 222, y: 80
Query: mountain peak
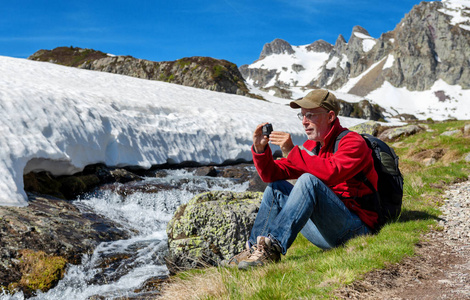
x: 320, y: 46
x: 360, y: 29
x: 340, y: 41
x: 278, y: 46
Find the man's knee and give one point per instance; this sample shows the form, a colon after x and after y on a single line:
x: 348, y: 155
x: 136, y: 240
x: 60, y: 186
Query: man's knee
x: 278, y: 190
x: 275, y: 185
x: 279, y: 186
x: 308, y: 179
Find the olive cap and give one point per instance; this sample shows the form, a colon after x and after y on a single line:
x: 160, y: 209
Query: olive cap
x: 318, y: 98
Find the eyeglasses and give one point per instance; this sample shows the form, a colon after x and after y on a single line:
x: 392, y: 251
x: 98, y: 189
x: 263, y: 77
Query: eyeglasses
x: 309, y: 115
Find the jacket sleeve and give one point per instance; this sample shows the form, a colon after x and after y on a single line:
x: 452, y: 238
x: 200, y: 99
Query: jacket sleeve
x: 271, y: 170
x: 352, y: 156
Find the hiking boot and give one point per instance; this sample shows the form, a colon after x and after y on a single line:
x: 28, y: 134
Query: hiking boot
x: 235, y: 260
x: 267, y: 251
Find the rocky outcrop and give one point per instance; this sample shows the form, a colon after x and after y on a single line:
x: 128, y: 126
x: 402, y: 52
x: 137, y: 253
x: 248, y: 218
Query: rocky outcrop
x: 49, y: 228
x: 362, y: 110
x: 320, y: 46
x: 278, y: 46
x: 210, y: 228
x: 199, y: 72
x: 259, y: 77
x: 424, y: 47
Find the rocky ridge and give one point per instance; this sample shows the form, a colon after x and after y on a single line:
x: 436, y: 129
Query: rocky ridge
x: 427, y: 45
x: 199, y: 72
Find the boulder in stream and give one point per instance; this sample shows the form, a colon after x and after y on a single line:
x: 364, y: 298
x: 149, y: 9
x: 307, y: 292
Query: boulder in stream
x: 211, y: 227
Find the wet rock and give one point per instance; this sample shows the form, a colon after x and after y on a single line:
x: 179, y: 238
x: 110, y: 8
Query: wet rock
x: 211, y: 227
x: 52, y: 226
x: 206, y: 171
x: 244, y: 172
x: 123, y: 176
x: 71, y: 186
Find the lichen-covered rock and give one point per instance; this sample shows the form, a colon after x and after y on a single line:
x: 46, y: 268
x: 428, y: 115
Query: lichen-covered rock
x: 370, y: 127
x: 211, y: 227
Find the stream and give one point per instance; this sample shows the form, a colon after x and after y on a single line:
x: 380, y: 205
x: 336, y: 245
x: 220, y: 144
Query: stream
x: 118, y: 269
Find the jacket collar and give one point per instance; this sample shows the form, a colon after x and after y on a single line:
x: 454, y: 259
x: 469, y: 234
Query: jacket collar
x: 330, y: 138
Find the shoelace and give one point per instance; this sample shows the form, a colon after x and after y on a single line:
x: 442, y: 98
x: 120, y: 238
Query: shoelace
x: 259, y: 252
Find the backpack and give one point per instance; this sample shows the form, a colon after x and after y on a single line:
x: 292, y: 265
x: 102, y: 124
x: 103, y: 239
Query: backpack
x: 389, y: 193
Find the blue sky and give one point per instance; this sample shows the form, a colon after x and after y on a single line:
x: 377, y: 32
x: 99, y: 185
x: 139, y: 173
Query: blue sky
x: 158, y: 30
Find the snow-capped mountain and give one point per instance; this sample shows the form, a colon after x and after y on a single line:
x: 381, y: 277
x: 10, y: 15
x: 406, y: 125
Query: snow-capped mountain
x: 422, y: 67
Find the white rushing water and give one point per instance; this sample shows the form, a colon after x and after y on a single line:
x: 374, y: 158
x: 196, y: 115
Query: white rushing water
x: 116, y: 269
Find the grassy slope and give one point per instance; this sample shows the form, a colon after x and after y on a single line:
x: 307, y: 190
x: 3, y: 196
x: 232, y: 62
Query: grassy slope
x: 308, y: 272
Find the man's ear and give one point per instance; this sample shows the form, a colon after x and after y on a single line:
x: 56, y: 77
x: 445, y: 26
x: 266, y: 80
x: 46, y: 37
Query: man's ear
x: 331, y: 116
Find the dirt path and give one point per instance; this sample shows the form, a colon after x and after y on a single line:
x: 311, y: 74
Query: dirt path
x: 441, y: 268
x: 439, y: 271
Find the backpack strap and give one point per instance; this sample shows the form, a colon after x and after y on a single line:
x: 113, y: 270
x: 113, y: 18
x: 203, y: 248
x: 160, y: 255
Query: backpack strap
x: 338, y: 139
x: 360, y: 176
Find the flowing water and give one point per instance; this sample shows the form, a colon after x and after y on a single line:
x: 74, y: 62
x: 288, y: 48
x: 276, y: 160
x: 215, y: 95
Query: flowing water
x: 116, y: 269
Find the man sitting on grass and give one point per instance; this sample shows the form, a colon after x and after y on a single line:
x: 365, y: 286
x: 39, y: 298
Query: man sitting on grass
x: 327, y: 204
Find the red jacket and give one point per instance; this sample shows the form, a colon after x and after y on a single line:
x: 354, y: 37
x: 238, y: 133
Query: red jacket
x: 337, y: 170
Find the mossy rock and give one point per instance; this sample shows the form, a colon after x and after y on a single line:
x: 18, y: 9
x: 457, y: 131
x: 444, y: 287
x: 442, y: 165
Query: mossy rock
x: 39, y: 272
x: 211, y: 227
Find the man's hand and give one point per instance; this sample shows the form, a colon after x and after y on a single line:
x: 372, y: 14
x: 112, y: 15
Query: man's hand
x: 259, y: 140
x: 283, y: 140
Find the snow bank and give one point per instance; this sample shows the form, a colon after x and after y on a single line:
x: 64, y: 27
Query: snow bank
x: 61, y: 119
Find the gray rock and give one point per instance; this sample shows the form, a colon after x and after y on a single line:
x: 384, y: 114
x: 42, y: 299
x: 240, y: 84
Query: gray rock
x: 369, y: 127
x: 211, y: 227
x: 466, y: 130
x: 394, y: 133
x: 467, y: 157
x: 450, y: 132
x: 429, y: 161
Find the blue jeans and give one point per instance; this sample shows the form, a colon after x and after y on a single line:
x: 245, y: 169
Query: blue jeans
x: 309, y: 207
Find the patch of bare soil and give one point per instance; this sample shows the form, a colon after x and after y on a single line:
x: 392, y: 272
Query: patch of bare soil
x: 440, y: 270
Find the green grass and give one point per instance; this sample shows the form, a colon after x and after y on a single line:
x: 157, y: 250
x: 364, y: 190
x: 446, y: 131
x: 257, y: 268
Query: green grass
x: 308, y: 272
